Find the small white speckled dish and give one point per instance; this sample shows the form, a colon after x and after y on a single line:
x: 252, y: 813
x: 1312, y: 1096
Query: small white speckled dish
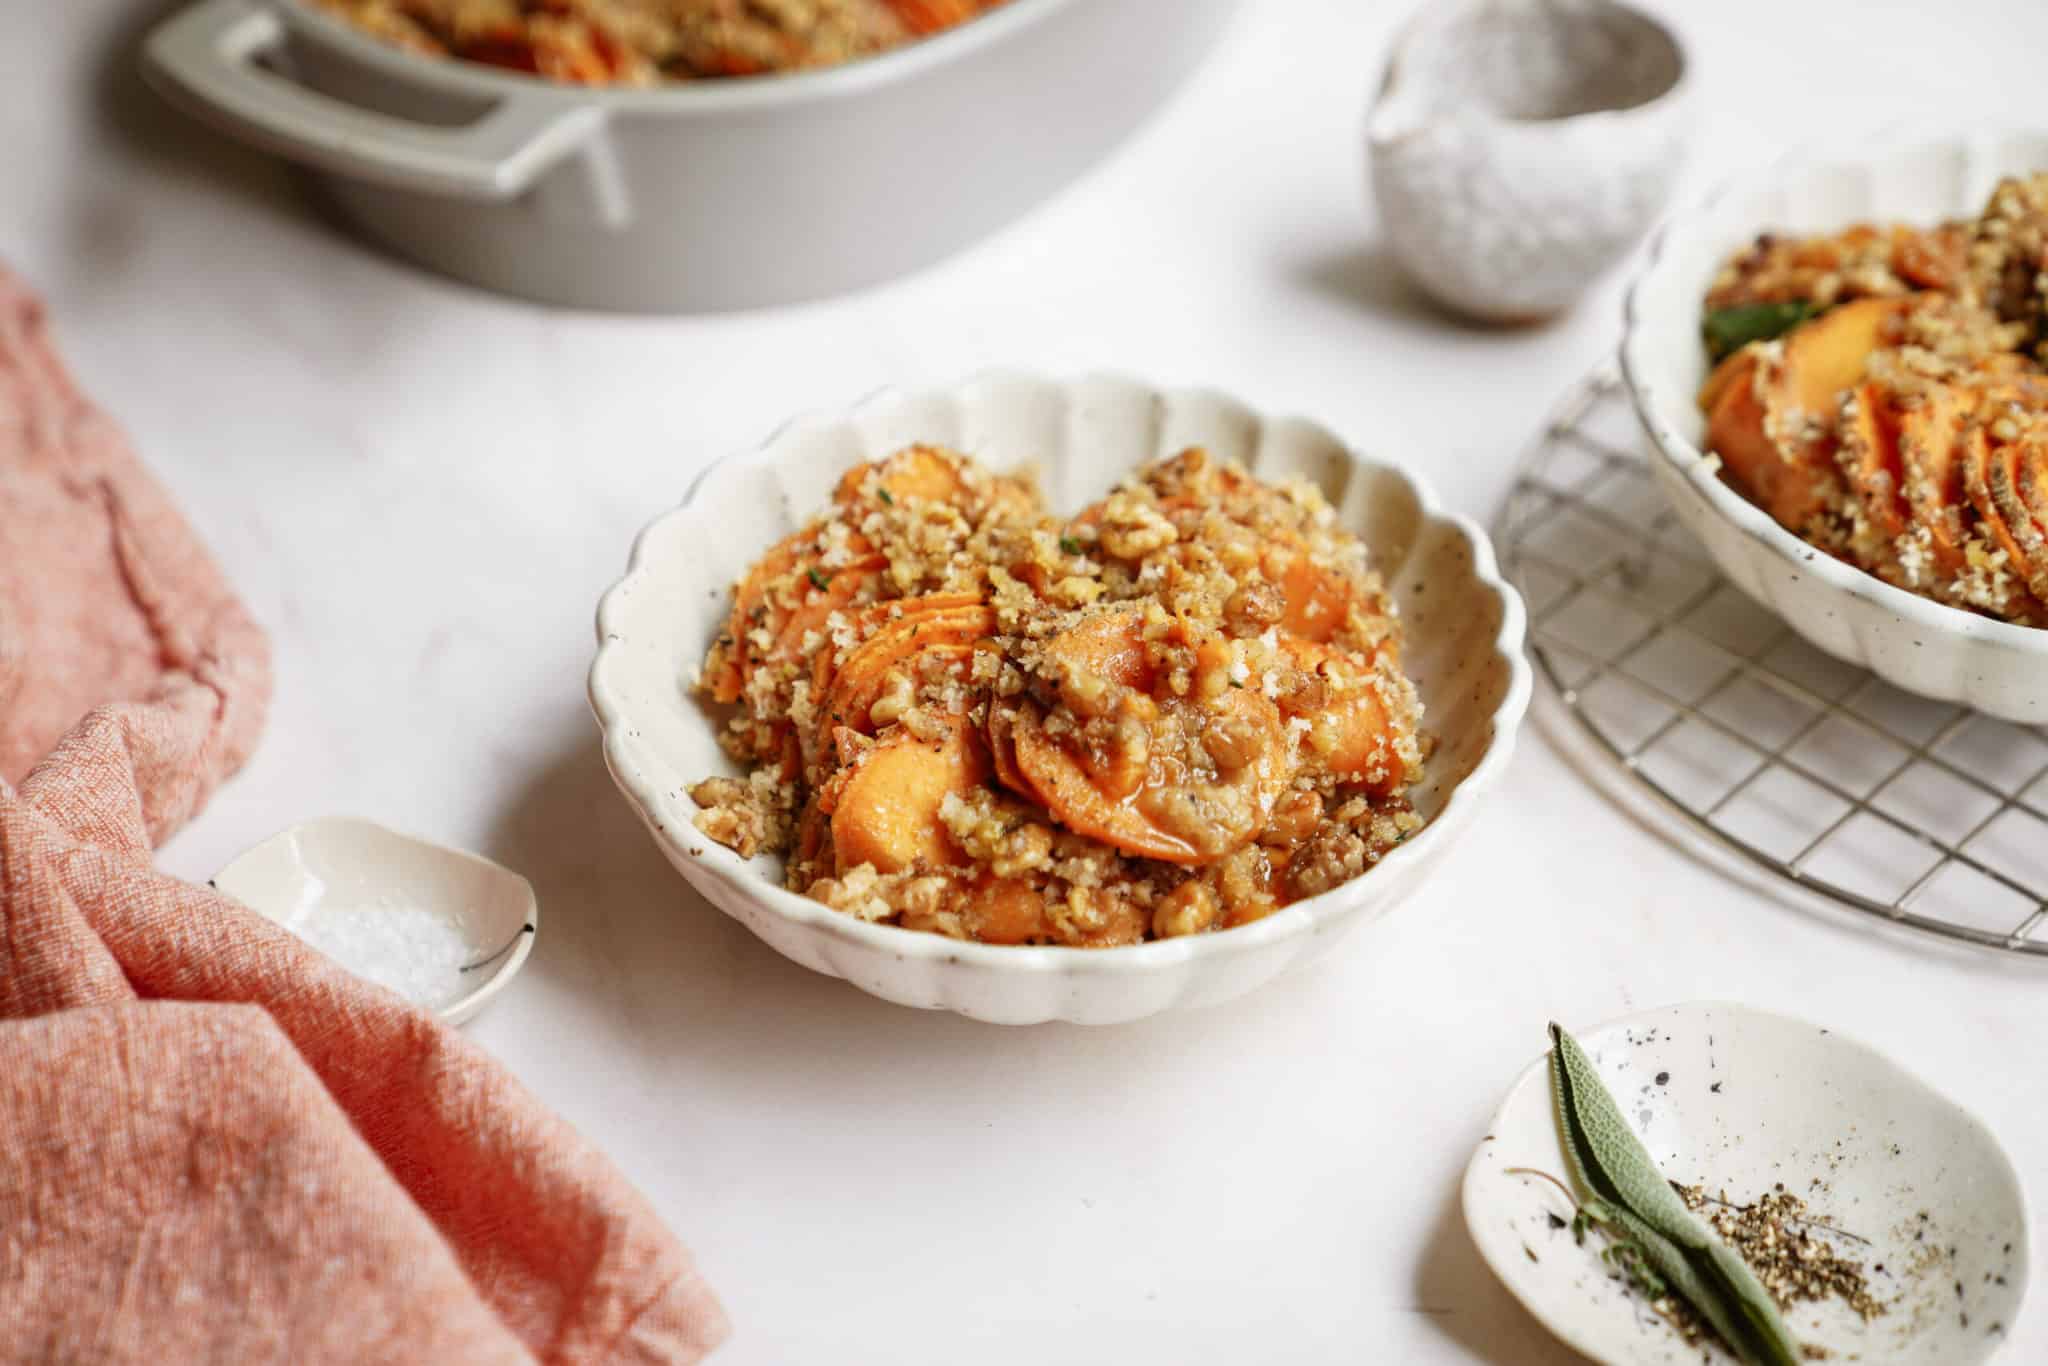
x: 1520, y: 148
x: 341, y: 862
x: 1740, y: 1100
x: 1464, y: 649
x: 1912, y: 642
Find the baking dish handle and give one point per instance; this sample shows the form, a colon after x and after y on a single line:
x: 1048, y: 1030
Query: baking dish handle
x: 207, y: 57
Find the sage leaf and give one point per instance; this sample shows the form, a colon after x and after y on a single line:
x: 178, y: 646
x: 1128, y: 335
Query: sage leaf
x: 1728, y: 330
x: 1614, y: 1169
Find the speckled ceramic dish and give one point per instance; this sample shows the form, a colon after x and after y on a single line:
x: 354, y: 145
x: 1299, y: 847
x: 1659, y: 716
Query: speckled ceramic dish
x: 1740, y: 1100
x: 1464, y: 630
x: 1915, y: 643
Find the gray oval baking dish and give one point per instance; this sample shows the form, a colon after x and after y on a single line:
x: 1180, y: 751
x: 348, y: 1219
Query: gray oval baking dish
x: 715, y: 195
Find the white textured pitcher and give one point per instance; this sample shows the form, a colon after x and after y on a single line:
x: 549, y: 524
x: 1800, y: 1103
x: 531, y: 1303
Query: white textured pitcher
x: 1519, y: 148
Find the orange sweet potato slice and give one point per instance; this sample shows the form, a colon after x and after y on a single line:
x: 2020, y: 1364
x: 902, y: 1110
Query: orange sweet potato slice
x: 1002, y: 746
x: 765, y: 600
x: 1058, y: 778
x: 1984, y: 472
x: 948, y: 635
x: 813, y: 827
x: 914, y: 472
x: 1935, y: 258
x: 1316, y: 601
x: 2030, y: 475
x: 821, y: 593
x: 730, y: 658
x: 867, y: 621
x: 1005, y: 910
x: 2005, y: 477
x: 1931, y: 475
x: 885, y: 805
x: 1772, y: 423
x: 1352, y: 734
x: 1735, y: 367
x: 1869, y: 458
x: 1176, y: 812
x: 1105, y: 649
x: 924, y: 17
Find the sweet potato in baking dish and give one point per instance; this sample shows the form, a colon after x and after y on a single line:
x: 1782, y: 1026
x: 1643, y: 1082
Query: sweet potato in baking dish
x: 649, y: 42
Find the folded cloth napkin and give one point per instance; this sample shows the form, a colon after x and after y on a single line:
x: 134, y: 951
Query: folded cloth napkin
x: 215, y: 1145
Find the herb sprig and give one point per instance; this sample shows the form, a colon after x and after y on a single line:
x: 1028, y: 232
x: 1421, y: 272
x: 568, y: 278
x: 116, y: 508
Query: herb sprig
x: 1659, y: 1244
x: 1728, y: 330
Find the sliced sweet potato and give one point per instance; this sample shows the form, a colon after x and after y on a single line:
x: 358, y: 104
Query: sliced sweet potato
x: 1002, y: 745
x: 1005, y: 910
x: 924, y: 17
x: 931, y: 473
x: 1929, y: 437
x: 1103, y: 652
x: 1868, y: 456
x: 1181, y: 811
x: 2005, y: 478
x: 1316, y: 601
x: 885, y: 805
x: 1934, y: 258
x: 1736, y: 367
x: 1773, y: 421
x: 2030, y: 475
x: 1984, y: 472
x: 1352, y: 733
x: 866, y: 621
x: 783, y: 584
x: 948, y: 635
x: 813, y: 829
x: 913, y: 472
x: 1060, y: 780
x: 819, y: 594
x: 727, y: 667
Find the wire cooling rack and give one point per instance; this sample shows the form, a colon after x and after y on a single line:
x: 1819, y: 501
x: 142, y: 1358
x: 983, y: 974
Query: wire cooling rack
x: 1923, y: 813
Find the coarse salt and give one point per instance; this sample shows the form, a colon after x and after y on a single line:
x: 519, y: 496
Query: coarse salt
x: 416, y: 952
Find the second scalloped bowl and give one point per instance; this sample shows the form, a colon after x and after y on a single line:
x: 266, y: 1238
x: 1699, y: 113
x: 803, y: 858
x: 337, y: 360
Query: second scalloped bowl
x: 1915, y: 643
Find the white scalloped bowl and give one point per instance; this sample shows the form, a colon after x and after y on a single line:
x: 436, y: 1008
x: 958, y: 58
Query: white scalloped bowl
x: 1464, y: 633
x: 1910, y: 641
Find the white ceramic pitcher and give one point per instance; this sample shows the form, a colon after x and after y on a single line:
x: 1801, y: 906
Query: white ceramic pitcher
x: 1519, y: 148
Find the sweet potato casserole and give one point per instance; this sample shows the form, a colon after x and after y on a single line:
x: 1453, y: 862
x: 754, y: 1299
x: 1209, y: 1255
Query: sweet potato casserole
x: 1880, y: 393
x: 1174, y: 713
x: 648, y: 42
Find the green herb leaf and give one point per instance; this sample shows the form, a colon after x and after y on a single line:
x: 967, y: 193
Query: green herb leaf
x: 1069, y: 546
x: 886, y: 496
x: 819, y: 581
x: 1728, y: 330
x: 1624, y: 1185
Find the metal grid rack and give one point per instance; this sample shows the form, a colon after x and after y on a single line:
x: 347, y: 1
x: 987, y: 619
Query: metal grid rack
x: 1923, y: 813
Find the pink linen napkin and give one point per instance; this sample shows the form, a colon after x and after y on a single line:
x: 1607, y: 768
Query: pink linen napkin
x: 214, y: 1144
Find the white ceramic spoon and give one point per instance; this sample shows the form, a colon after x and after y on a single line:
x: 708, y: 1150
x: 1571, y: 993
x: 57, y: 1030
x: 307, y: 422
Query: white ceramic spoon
x: 340, y: 863
x: 1740, y: 1100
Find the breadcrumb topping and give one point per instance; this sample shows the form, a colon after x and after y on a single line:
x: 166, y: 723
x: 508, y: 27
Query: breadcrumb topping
x: 1172, y: 714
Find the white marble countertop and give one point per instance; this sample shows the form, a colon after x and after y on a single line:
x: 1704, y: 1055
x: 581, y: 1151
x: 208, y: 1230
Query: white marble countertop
x: 422, y: 490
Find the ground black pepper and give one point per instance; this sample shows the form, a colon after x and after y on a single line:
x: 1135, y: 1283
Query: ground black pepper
x: 1796, y: 1256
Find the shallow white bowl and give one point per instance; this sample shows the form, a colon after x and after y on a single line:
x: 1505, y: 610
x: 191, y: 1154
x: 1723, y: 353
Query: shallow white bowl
x: 340, y: 861
x: 1464, y: 627
x: 1912, y: 642
x: 1747, y: 1100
